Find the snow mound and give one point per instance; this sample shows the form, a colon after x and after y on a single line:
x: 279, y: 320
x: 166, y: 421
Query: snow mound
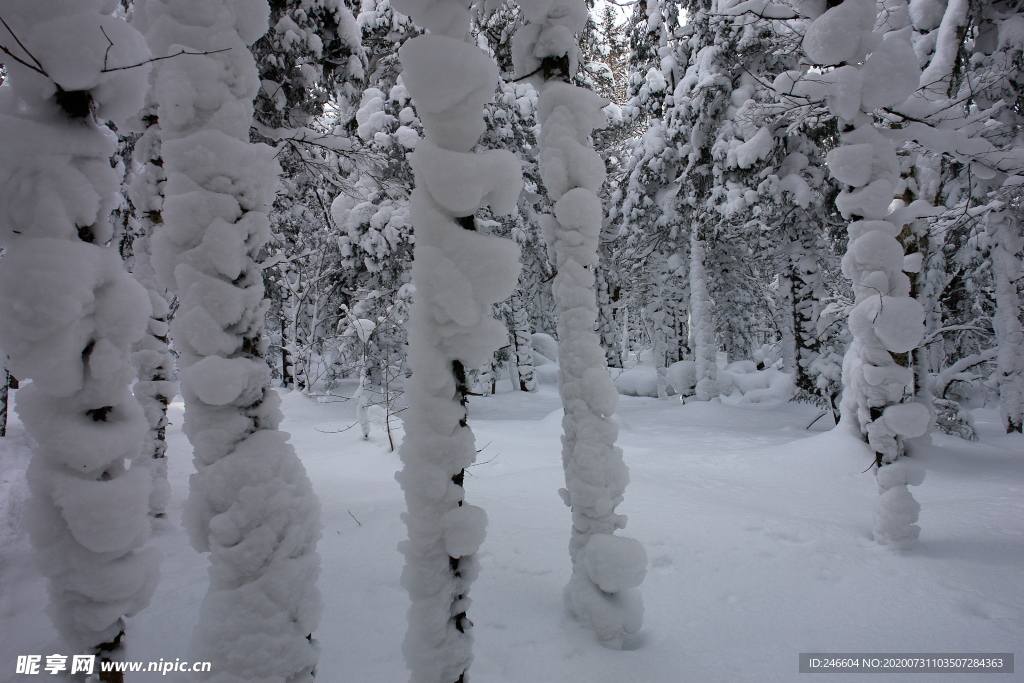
x: 642, y: 380
x: 546, y: 346
x: 742, y: 383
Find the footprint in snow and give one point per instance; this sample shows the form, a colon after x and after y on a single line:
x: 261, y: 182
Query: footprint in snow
x: 662, y: 564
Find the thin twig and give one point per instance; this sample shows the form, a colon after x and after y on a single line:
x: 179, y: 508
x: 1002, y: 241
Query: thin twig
x: 38, y: 67
x: 110, y: 45
x: 181, y: 52
x: 823, y: 414
x: 335, y: 431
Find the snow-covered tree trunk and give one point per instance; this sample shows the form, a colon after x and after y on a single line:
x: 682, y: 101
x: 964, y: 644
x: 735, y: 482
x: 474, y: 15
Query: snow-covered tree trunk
x: 523, y: 342
x: 5, y: 378
x: 251, y: 505
x: 702, y: 322
x: 787, y: 317
x: 606, y: 569
x: 886, y: 322
x: 154, y: 363
x: 609, y: 331
x: 806, y: 293
x: 156, y: 386
x: 1005, y: 231
x: 69, y: 313
x: 459, y: 273
x: 659, y: 347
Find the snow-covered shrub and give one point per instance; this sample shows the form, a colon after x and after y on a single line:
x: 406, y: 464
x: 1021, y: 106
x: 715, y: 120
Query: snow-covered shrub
x: 742, y: 383
x: 546, y: 346
x: 638, y: 381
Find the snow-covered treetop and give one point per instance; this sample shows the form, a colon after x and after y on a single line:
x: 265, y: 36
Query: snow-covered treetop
x: 550, y: 31
x: 78, y: 52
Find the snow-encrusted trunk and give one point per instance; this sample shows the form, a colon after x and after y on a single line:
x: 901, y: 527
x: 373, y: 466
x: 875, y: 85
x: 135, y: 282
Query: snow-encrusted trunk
x: 251, y: 505
x: 916, y: 244
x: 287, y: 346
x: 1005, y: 231
x: 154, y: 363
x: 659, y: 346
x: 886, y: 322
x: 702, y: 321
x: 523, y: 341
x: 606, y: 569
x: 69, y: 313
x: 806, y: 291
x: 787, y: 317
x: 5, y: 378
x: 156, y: 386
x: 609, y: 331
x: 458, y: 273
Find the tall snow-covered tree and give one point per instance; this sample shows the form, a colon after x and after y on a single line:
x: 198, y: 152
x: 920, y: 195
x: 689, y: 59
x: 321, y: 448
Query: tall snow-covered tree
x: 1007, y: 270
x: 251, y: 505
x: 650, y: 245
x: 5, y: 378
x: 886, y: 321
x: 458, y: 273
x: 511, y: 125
x: 70, y: 313
x: 156, y: 384
x: 607, y: 569
x: 699, y: 111
x: 997, y: 77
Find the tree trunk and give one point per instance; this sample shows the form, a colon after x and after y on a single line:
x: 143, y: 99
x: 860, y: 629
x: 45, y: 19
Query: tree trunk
x: 702, y: 322
x: 4, y: 384
x: 218, y: 192
x: 458, y: 274
x: 523, y: 341
x: 69, y: 314
x: 1006, y: 271
x: 595, y: 474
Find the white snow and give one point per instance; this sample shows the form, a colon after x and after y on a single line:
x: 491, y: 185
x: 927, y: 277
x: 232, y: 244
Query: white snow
x: 758, y: 535
x: 614, y: 563
x: 449, y: 86
x: 464, y: 530
x: 837, y: 35
x: 758, y: 147
x: 851, y: 164
x: 890, y: 73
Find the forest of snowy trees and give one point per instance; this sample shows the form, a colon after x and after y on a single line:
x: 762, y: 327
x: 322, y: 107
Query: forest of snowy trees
x: 816, y: 199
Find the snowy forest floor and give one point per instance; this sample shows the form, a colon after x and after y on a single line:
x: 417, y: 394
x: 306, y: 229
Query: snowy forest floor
x: 757, y: 530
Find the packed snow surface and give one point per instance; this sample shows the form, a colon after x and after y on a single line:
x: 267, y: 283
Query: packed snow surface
x: 758, y: 538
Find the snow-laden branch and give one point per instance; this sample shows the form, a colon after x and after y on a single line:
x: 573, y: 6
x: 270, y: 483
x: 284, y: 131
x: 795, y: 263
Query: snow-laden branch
x: 942, y: 380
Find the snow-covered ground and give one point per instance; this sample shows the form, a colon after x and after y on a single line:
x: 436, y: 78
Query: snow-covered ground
x: 757, y: 530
